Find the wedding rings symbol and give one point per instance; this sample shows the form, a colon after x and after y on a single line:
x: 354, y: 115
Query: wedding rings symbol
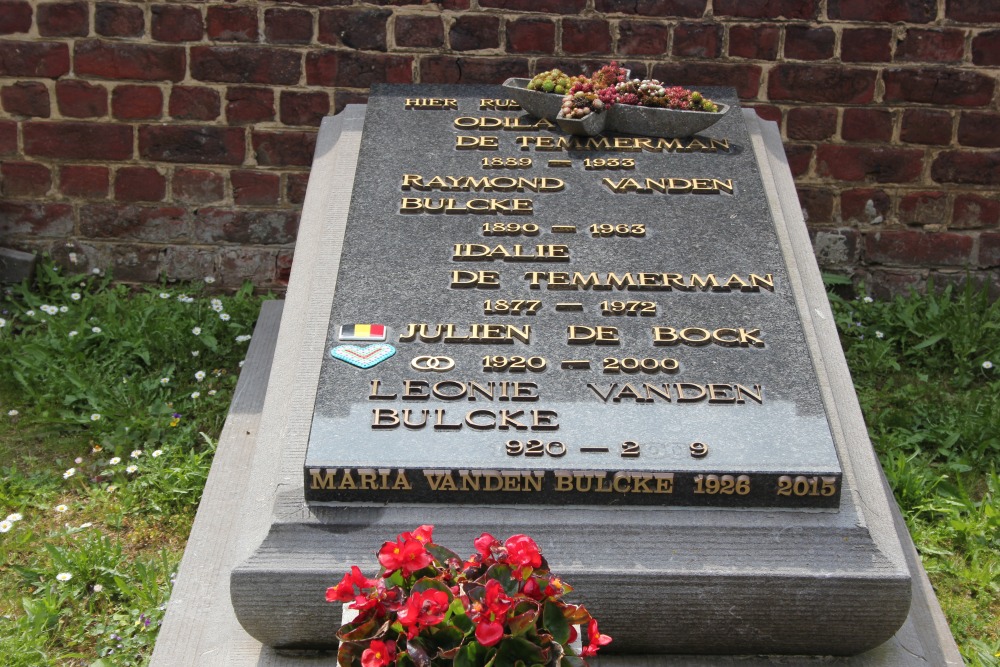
x: 435, y: 364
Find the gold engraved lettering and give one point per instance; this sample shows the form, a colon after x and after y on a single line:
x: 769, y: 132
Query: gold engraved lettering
x: 430, y: 103
x: 475, y: 279
x: 516, y: 253
x: 678, y: 392
x: 474, y: 333
x: 483, y: 143
x: 498, y: 105
x: 646, y: 281
x: 697, y: 336
x: 670, y: 186
x: 333, y: 479
x: 620, y: 144
x: 512, y: 123
x: 582, y: 335
x: 473, y: 206
x: 482, y: 184
x: 375, y: 396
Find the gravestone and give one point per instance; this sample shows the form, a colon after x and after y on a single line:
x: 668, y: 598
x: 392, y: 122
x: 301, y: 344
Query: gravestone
x: 617, y: 345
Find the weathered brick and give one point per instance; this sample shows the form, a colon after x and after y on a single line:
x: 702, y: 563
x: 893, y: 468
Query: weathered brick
x: 821, y: 83
x: 26, y: 98
x: 745, y: 78
x: 419, y: 31
x: 214, y: 225
x: 528, y: 35
x: 231, y: 24
x: 767, y: 112
x: 8, y: 137
x: 185, y: 262
x: 136, y: 102
x: 62, y: 19
x: 283, y: 267
x: 78, y: 141
x: 817, y: 204
x: 238, y: 265
x: 884, y: 11
x: 134, y: 223
x: 15, y: 17
x: 24, y: 218
x: 80, y: 99
x: 83, y: 181
x: 197, y: 186
x: 194, y: 103
x: 192, y: 144
x: 973, y: 211
x: 683, y: 8
x: 926, y: 126
x: 39, y: 59
x: 245, y: 64
x: 972, y: 11
x: 115, y: 19
x: 979, y: 129
x: 586, y: 36
x: 344, y: 97
x: 878, y: 164
x: 363, y: 29
x: 974, y: 168
x: 932, y: 45
x: 835, y: 247
x: 549, y: 6
x: 283, y: 149
x: 357, y: 69
x: 135, y: 184
x: 917, y: 248
x: 803, y: 42
x: 768, y: 9
x: 472, y: 32
x: 295, y: 188
x: 144, y: 62
x: 814, y: 123
x: 304, y: 108
x: 640, y: 37
x: 986, y: 48
x: 924, y: 208
x: 698, y: 40
x: 989, y: 249
x: 25, y: 179
x: 938, y: 86
x: 866, y: 45
x: 451, y: 69
x: 866, y: 206
x: 177, y: 23
x: 759, y: 42
x: 249, y: 105
x: 288, y: 26
x: 866, y: 125
x: 255, y: 188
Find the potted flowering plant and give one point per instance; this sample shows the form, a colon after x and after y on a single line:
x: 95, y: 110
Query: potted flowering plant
x: 427, y: 607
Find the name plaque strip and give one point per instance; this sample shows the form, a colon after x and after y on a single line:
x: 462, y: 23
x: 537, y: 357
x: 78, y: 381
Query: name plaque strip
x: 562, y: 315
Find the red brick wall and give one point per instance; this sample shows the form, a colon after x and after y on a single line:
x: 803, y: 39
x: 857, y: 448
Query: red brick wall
x: 176, y: 138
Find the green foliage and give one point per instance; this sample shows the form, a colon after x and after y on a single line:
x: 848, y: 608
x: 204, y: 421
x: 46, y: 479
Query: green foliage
x: 923, y: 366
x: 109, y: 406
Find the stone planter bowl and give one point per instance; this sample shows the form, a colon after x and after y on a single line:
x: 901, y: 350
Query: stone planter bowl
x: 538, y: 104
x: 652, y: 122
x: 588, y: 126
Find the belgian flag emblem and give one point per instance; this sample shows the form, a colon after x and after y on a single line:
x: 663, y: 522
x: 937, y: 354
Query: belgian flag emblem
x: 362, y: 332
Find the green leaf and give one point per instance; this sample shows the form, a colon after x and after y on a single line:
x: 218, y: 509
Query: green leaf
x: 523, y: 622
x: 555, y: 622
x: 442, y: 554
x: 503, y: 574
x: 927, y: 343
x: 472, y: 654
x: 514, y: 649
x: 428, y: 583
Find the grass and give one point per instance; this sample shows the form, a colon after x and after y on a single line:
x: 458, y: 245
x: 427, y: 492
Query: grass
x: 111, y: 400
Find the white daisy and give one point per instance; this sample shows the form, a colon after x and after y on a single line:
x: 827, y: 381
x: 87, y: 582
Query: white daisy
x: 75, y: 296
x: 196, y: 331
x: 242, y: 339
x: 199, y: 376
x: 98, y: 588
x: 136, y: 453
x: 164, y: 295
x: 209, y: 280
x: 95, y: 417
x: 61, y: 508
x: 156, y: 453
x: 115, y: 460
x: 15, y: 517
x: 987, y: 365
x: 12, y: 413
x: 164, y: 380
x: 879, y: 334
x: 72, y: 333
x: 224, y: 317
x: 131, y: 469
x: 196, y: 394
x: 5, y: 526
x: 69, y: 473
x: 95, y: 329
x: 64, y: 576
x: 63, y: 309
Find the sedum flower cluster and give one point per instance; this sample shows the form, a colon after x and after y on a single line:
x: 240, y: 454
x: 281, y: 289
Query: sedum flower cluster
x: 610, y: 85
x: 429, y: 607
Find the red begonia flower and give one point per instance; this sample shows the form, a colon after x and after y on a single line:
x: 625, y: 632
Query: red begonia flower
x: 378, y: 654
x: 522, y: 551
x: 485, y: 543
x: 489, y: 633
x: 344, y: 591
x: 423, y: 610
x: 597, y: 640
x: 408, y: 555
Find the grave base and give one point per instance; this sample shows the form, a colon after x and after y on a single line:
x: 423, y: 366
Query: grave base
x: 676, y: 580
